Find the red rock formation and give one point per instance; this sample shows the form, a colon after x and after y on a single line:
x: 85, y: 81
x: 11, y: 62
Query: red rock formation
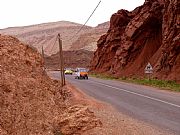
x: 72, y: 59
x: 169, y: 61
x: 150, y: 33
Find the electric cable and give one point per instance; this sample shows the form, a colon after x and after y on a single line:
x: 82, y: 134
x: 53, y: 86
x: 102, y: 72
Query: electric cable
x: 85, y: 22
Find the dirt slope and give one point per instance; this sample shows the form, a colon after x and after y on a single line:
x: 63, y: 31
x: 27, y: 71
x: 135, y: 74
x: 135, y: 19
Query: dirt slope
x: 32, y: 103
x: 150, y: 33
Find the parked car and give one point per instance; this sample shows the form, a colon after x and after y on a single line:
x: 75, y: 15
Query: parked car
x: 81, y: 73
x: 68, y: 71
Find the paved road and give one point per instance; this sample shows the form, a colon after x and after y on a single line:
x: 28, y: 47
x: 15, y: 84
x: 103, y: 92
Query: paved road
x: 157, y: 107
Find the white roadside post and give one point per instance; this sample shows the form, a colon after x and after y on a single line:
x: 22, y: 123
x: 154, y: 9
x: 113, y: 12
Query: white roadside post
x: 148, y: 70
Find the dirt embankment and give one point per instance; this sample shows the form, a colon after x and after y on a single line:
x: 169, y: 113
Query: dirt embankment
x: 150, y: 33
x: 32, y: 103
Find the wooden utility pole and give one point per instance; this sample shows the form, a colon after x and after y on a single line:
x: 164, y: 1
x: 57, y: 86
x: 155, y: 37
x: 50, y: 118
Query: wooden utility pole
x: 43, y: 58
x: 64, y: 81
x: 61, y: 61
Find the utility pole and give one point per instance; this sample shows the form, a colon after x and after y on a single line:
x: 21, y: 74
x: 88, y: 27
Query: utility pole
x: 64, y: 80
x: 61, y: 61
x: 43, y: 58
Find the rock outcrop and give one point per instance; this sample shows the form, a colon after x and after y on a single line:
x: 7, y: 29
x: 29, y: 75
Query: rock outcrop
x: 150, y: 33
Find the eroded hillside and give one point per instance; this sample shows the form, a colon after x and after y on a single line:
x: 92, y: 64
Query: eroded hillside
x: 150, y: 33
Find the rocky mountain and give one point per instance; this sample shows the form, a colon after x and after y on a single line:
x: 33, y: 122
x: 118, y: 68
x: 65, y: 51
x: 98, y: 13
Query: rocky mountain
x: 88, y: 40
x: 150, y: 33
x: 45, y: 35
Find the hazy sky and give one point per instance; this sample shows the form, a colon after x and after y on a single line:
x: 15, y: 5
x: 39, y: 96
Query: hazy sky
x: 28, y: 12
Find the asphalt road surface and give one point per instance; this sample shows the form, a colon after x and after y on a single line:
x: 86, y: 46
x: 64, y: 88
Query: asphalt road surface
x: 157, y: 107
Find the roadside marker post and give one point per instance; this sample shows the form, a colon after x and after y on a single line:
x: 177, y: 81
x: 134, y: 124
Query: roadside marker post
x: 148, y: 70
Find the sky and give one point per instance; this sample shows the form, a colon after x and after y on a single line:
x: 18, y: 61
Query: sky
x: 28, y: 12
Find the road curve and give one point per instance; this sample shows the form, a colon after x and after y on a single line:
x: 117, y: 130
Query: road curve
x: 157, y: 107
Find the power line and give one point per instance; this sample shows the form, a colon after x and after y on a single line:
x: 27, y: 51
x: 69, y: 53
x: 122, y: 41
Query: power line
x: 85, y: 22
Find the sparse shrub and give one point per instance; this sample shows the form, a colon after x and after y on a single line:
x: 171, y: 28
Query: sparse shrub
x: 124, y: 78
x: 56, y: 132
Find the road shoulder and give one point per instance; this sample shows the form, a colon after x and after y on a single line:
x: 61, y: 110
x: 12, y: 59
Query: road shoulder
x: 113, y: 122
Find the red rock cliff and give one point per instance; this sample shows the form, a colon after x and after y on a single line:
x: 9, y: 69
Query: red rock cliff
x: 150, y: 33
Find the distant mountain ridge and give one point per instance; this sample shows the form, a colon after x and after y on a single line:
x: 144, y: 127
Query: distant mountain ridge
x: 88, y: 40
x: 22, y: 29
x: 45, y: 35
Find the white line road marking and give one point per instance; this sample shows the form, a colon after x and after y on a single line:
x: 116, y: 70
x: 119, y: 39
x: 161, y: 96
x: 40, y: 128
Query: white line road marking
x: 155, y: 99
